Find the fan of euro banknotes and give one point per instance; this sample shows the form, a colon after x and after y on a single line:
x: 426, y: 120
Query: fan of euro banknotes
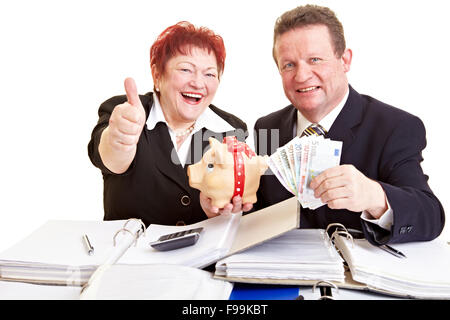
x: 300, y: 160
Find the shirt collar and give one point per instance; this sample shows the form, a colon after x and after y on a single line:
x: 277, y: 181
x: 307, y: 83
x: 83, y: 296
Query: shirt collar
x: 211, y: 121
x: 156, y: 114
x: 326, y: 122
x: 208, y: 119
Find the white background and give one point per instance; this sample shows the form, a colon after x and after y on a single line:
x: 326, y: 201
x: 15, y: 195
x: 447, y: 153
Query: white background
x: 60, y: 59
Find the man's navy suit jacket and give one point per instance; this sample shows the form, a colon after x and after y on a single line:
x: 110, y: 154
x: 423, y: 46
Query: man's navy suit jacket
x: 385, y: 144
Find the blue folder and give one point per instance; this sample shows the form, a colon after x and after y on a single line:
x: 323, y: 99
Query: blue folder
x: 243, y: 291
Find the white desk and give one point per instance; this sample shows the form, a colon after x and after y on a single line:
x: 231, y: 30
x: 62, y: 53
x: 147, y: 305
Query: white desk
x: 24, y: 291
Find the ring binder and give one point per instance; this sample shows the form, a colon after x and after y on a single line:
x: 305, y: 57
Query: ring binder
x: 136, y: 235
x: 47, y: 261
x: 423, y: 275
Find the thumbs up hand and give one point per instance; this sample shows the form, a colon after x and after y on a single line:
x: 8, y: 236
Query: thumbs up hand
x: 118, y: 142
x: 127, y: 120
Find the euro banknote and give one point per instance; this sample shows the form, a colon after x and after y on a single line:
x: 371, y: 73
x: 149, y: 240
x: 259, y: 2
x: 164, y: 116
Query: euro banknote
x: 297, y: 163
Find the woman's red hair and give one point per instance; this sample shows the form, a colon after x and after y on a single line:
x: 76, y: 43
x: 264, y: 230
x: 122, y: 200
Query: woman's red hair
x: 180, y: 39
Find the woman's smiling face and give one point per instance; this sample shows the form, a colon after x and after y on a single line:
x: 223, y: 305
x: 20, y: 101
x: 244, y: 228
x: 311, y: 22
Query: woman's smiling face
x: 187, y: 85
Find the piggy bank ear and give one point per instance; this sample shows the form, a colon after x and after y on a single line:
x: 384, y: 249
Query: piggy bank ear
x: 214, y: 143
x: 218, y: 150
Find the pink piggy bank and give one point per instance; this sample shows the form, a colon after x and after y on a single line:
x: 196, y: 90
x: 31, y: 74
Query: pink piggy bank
x: 226, y: 170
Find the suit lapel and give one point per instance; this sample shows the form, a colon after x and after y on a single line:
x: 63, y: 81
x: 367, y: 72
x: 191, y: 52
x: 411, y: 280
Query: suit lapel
x: 165, y: 155
x: 199, y: 143
x: 348, y: 118
x: 288, y: 124
x: 166, y: 158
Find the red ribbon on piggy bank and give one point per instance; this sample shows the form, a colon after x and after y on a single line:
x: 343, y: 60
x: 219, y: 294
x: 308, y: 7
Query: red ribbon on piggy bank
x: 236, y: 147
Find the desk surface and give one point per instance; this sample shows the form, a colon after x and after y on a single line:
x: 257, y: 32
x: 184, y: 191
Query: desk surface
x: 10, y: 290
x: 25, y: 291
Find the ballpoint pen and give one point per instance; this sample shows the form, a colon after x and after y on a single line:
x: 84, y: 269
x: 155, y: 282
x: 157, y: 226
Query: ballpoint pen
x: 392, y: 251
x: 89, y: 247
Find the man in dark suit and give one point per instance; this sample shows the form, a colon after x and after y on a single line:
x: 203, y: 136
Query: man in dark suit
x: 379, y: 187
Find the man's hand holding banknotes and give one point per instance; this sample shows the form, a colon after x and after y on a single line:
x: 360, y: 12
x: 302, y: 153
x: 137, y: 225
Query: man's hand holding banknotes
x: 345, y: 187
x: 308, y: 167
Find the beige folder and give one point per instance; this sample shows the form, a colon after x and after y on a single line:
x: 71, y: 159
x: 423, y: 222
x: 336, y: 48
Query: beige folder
x: 265, y: 224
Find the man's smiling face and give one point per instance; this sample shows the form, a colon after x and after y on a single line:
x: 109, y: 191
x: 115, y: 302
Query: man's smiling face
x: 314, y: 78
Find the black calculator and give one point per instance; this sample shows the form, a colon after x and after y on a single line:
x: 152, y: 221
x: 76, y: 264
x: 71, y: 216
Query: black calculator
x: 177, y: 240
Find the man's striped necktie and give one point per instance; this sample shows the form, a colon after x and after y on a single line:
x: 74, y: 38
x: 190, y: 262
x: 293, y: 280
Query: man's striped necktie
x: 314, y: 130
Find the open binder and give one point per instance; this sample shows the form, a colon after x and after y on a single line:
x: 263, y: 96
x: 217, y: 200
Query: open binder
x: 55, y: 253
x: 423, y: 274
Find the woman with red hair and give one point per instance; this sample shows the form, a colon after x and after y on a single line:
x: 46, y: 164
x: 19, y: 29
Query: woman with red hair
x: 143, y: 143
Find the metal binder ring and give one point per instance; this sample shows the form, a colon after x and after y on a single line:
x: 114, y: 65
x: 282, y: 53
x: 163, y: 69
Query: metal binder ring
x: 328, y: 283
x: 125, y: 230
x: 342, y: 233
x: 142, y: 230
x: 337, y: 225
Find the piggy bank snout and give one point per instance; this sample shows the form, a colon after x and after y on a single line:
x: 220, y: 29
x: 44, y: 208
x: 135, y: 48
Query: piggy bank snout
x: 195, y: 175
x: 263, y: 166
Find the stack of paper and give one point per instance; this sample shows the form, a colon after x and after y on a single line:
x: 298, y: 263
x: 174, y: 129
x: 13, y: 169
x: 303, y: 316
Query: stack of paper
x: 305, y: 254
x: 300, y: 160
